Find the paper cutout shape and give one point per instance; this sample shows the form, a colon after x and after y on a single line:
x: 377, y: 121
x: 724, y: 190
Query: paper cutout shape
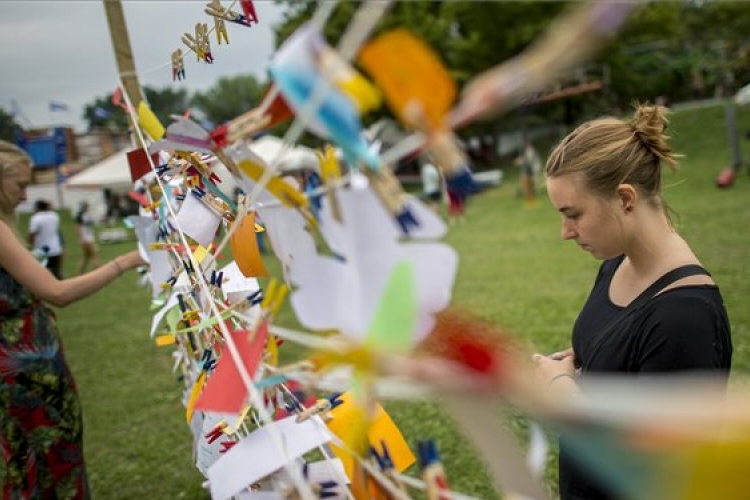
x: 382, y: 429
x: 244, y: 244
x: 408, y: 70
x: 235, y: 285
x: 139, y: 164
x: 240, y: 466
x: 342, y: 293
x: 225, y: 391
x: 279, y: 110
x: 197, y: 220
x: 149, y: 122
x: 296, y: 69
x: 394, y: 322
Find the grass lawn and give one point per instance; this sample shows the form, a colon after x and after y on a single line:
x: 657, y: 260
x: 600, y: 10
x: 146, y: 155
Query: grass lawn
x: 515, y: 271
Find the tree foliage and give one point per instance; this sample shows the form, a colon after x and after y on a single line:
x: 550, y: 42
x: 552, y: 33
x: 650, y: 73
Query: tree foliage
x: 8, y: 126
x: 230, y: 97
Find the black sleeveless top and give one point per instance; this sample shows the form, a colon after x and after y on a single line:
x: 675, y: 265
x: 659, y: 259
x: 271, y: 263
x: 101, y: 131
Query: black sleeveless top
x: 682, y: 329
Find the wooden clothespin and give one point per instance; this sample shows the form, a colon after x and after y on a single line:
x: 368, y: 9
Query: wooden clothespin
x: 433, y: 473
x: 178, y: 65
x: 330, y: 173
x: 241, y: 127
x: 214, y: 9
x: 391, y: 194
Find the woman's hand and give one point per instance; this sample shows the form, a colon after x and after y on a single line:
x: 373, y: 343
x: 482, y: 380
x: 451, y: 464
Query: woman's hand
x: 556, y: 371
x: 130, y: 260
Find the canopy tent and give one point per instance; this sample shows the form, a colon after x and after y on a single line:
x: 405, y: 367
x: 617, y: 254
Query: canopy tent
x: 113, y: 172
x: 294, y: 158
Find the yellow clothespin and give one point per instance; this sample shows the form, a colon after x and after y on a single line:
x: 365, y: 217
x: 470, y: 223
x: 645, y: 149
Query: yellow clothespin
x: 214, y: 9
x: 285, y: 193
x: 330, y: 173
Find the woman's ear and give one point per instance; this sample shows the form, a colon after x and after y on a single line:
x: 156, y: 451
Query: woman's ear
x: 628, y: 196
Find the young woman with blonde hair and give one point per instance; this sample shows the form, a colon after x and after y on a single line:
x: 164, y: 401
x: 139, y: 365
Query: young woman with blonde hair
x: 653, y: 307
x: 40, y: 414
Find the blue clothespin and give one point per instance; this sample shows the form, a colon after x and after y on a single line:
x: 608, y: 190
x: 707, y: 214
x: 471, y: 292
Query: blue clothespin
x: 256, y: 297
x: 198, y: 192
x: 428, y: 453
x: 188, y: 266
x: 293, y: 405
x: 323, y: 488
x: 462, y: 183
x: 406, y: 220
x: 217, y: 278
x: 162, y: 169
x: 207, y: 363
x: 181, y: 300
x: 180, y: 197
x: 171, y: 281
x: 334, y: 399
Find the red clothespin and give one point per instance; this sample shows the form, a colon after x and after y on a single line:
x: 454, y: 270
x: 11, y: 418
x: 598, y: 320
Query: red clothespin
x: 249, y: 10
x: 227, y: 445
x: 216, y: 432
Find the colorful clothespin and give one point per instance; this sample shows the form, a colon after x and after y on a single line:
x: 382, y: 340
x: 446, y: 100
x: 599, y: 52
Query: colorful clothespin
x: 432, y: 470
x: 219, y: 27
x: 178, y: 67
x: 324, y: 489
x: 216, y: 278
x: 391, y: 194
x: 248, y: 9
x: 240, y: 127
x: 216, y: 432
x: 227, y: 445
x: 215, y: 10
x: 207, y: 361
x: 321, y: 407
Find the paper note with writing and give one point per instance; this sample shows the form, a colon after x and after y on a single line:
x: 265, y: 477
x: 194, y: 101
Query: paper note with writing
x: 206, y: 454
x: 240, y: 466
x: 197, y: 220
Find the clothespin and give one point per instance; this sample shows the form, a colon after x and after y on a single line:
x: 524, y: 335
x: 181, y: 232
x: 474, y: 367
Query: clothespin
x: 391, y: 194
x: 219, y: 27
x: 207, y: 363
x: 241, y: 127
x: 323, y: 489
x: 321, y: 407
x: 386, y: 464
x: 216, y: 278
x: 248, y: 9
x: 335, y: 399
x: 432, y: 470
x: 330, y: 173
x: 227, y: 445
x: 216, y: 432
x: 215, y: 10
x: 178, y: 69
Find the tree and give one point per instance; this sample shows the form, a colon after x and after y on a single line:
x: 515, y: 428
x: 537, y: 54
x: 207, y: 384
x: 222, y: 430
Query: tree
x: 8, y: 126
x: 229, y: 97
x: 167, y: 102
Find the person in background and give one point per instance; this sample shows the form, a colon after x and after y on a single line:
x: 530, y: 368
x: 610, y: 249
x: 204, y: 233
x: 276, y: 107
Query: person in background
x: 432, y: 185
x: 41, y: 434
x: 86, y: 237
x: 44, y: 236
x: 653, y: 308
x: 531, y: 166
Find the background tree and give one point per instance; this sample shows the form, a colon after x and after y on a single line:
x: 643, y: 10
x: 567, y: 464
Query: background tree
x: 8, y: 126
x: 166, y: 102
x: 230, y: 97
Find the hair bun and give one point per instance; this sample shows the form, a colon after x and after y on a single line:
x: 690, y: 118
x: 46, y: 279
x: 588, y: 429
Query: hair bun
x: 650, y: 125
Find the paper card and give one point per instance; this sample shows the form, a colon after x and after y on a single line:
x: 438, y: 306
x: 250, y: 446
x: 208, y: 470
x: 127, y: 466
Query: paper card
x: 343, y: 293
x: 241, y: 465
x: 278, y: 110
x: 206, y: 454
x: 236, y: 287
x: 225, y: 391
x: 259, y: 495
x: 140, y: 166
x: 244, y: 244
x: 327, y: 470
x: 408, y: 70
x: 285, y: 229
x: 197, y: 220
x: 161, y: 270
x: 159, y: 316
x: 382, y: 429
x: 184, y: 135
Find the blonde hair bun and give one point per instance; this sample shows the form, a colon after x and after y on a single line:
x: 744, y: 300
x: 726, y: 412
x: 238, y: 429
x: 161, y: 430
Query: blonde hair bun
x: 650, y: 125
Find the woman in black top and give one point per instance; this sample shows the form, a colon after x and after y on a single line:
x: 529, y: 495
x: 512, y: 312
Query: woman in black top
x: 653, y: 308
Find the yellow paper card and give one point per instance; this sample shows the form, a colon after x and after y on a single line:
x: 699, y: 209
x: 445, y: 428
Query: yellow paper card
x: 407, y: 70
x: 245, y: 251
x: 200, y: 253
x: 194, y: 393
x: 149, y: 122
x: 348, y: 415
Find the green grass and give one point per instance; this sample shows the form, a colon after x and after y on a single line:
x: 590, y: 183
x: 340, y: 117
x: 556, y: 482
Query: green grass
x: 515, y: 271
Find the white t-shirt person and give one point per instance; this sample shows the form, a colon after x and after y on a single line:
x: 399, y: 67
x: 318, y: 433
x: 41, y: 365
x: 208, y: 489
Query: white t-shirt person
x: 45, y: 226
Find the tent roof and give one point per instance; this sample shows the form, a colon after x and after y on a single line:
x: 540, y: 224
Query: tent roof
x: 295, y: 158
x: 113, y: 171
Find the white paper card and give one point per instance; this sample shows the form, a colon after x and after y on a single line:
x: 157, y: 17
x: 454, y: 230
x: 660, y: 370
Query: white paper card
x: 197, y: 220
x: 242, y: 465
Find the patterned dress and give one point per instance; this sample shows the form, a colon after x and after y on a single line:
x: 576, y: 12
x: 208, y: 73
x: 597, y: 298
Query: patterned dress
x: 41, y: 448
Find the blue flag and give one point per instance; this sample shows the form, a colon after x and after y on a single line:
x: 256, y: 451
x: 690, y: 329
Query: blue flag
x: 57, y: 106
x: 102, y: 113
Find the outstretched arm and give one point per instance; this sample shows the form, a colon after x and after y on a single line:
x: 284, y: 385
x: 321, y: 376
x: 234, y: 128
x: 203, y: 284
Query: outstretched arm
x: 25, y: 269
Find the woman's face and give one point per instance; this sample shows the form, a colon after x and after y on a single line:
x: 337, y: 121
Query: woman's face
x: 587, y: 219
x: 15, y: 180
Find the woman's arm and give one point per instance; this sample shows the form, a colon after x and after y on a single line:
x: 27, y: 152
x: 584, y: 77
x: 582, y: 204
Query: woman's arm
x: 25, y: 269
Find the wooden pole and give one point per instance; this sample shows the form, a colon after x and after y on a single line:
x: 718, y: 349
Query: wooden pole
x: 118, y: 32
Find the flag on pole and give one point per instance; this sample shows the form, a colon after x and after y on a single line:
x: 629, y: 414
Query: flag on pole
x: 57, y: 106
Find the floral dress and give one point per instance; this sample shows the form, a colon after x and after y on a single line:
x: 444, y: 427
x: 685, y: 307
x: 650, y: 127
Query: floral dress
x: 41, y: 448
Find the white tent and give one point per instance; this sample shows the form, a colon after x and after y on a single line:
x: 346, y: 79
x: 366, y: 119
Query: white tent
x: 294, y: 158
x: 113, y: 172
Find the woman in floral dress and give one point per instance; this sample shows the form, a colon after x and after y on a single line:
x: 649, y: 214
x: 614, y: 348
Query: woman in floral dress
x: 41, y: 447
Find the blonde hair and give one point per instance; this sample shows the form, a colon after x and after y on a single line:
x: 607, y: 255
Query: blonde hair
x: 11, y: 157
x: 609, y: 151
